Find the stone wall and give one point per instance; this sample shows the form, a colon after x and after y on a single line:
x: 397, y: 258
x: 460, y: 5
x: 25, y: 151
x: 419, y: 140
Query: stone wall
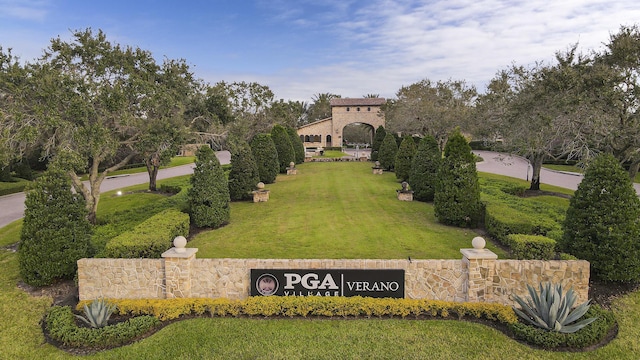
x: 477, y: 277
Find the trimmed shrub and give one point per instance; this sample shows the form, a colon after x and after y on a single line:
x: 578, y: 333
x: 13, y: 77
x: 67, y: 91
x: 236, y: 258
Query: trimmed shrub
x: 266, y: 157
x: 501, y: 221
x: 283, y: 147
x: 378, y: 138
x: 209, y: 192
x: 55, y: 233
x: 243, y: 176
x: 167, y: 309
x: 457, y: 197
x: 150, y: 238
x: 298, y: 146
x: 404, y: 158
x: 602, y: 223
x: 60, y: 323
x: 387, y: 152
x: 424, y: 168
x: 532, y: 247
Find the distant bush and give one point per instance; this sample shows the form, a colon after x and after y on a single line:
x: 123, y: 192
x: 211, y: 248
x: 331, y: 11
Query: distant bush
x: 387, y: 152
x: 535, y: 247
x: 150, y: 238
x: 424, y: 169
x: 55, y: 232
x: 378, y: 138
x: 265, y: 155
x: 284, y: 147
x: 404, y: 158
x: 457, y: 193
x: 243, y: 176
x: 209, y: 193
x: 298, y: 145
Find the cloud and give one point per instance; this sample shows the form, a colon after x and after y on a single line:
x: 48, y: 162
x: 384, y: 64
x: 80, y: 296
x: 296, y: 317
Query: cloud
x: 35, y: 10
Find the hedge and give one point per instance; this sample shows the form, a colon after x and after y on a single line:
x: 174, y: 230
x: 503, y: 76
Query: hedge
x: 535, y: 247
x: 346, y: 307
x: 150, y: 238
x: 17, y: 186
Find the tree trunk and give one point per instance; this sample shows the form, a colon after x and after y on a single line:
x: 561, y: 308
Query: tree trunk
x: 153, y: 165
x: 536, y: 164
x: 633, y: 169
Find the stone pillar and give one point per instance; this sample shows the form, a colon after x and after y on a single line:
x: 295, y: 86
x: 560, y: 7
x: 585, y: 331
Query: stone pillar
x: 291, y: 170
x: 177, y: 269
x: 479, y: 265
x: 377, y: 170
x: 261, y: 194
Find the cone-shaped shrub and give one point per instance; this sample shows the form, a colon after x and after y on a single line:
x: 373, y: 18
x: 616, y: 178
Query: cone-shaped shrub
x: 243, y: 176
x: 387, y: 152
x: 424, y: 169
x: 209, y: 192
x: 283, y: 147
x: 457, y: 197
x: 601, y: 225
x: 404, y: 158
x: 55, y: 232
x: 378, y: 138
x: 298, y: 146
x: 266, y: 157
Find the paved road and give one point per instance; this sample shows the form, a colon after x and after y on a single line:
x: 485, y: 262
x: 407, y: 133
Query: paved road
x: 518, y: 167
x: 13, y: 205
x: 503, y: 164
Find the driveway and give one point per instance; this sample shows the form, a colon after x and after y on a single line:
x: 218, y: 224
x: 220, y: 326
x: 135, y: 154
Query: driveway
x: 13, y: 205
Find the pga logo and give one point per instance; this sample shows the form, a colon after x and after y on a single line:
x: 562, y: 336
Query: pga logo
x: 309, y: 281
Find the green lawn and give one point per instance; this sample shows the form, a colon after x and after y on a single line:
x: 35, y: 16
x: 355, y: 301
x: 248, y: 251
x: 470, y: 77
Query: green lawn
x: 245, y: 338
x: 334, y: 210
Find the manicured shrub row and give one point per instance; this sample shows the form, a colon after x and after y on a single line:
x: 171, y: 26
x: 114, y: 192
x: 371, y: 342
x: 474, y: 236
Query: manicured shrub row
x: 60, y: 322
x: 7, y: 188
x: 508, y: 213
x: 536, y: 247
x: 589, y: 335
x: 150, y: 238
x: 167, y: 309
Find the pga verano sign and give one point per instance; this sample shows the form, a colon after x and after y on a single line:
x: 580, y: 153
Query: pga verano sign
x: 288, y: 282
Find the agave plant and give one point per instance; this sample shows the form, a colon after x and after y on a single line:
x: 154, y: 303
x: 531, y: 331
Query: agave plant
x: 97, y: 313
x: 551, y: 310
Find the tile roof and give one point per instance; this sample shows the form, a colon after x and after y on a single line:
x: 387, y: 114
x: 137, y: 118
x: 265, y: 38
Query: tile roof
x: 357, y: 102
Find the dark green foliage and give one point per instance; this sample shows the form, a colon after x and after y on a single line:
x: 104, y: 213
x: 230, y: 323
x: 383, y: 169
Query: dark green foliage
x: 602, y: 223
x: 209, y: 193
x: 587, y: 336
x: 5, y: 173
x: 60, y: 324
x: 424, y: 169
x: 55, y: 233
x: 243, y: 176
x: 503, y: 220
x: 404, y: 158
x: 378, y: 138
x: 457, y: 197
x: 23, y: 170
x: 532, y: 247
x: 298, y: 146
x: 150, y: 238
x: 387, y: 152
x: 266, y: 157
x: 283, y: 147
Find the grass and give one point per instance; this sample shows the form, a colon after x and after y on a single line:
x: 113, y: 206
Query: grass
x: 331, y: 154
x: 15, y: 186
x: 226, y: 338
x: 334, y: 210
x: 175, y: 161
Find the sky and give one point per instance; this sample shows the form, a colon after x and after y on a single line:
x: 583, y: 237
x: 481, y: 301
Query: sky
x: 352, y: 48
